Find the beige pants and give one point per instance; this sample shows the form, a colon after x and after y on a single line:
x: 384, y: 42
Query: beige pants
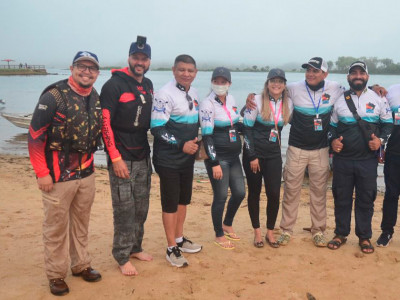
x: 317, y: 162
x: 66, y: 220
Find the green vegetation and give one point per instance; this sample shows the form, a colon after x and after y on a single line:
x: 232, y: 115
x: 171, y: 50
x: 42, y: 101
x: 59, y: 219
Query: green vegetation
x: 375, y: 65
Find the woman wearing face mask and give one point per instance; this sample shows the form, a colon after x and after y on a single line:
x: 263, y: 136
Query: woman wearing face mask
x: 219, y: 120
x: 262, y: 151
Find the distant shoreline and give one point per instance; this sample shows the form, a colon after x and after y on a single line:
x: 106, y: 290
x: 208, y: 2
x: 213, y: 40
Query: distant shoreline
x: 10, y: 72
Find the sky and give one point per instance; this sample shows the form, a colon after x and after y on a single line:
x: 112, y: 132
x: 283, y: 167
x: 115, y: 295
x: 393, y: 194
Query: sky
x: 215, y: 32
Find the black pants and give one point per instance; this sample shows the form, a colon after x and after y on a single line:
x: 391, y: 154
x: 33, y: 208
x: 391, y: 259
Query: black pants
x: 391, y: 200
x: 347, y: 175
x: 271, y: 170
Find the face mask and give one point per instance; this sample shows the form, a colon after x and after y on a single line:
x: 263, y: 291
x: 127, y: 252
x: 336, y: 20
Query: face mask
x: 220, y: 90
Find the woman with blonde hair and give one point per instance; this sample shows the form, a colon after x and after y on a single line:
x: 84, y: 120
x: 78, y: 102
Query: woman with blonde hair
x: 262, y: 151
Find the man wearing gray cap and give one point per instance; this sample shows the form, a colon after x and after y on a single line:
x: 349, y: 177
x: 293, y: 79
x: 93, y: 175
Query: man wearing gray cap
x: 361, y: 122
x: 64, y: 133
x: 126, y: 100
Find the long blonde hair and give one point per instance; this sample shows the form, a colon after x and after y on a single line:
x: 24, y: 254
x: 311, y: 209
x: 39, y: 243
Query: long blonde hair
x: 266, y: 112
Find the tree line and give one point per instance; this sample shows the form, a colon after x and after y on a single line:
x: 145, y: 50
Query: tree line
x: 375, y: 65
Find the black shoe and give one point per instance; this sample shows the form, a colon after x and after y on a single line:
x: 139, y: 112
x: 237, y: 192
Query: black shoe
x: 384, y: 239
x: 58, y: 287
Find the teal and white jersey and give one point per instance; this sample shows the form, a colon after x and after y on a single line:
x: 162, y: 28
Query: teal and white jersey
x: 174, y: 121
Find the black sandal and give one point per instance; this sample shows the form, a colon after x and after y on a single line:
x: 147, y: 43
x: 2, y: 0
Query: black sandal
x: 337, y: 242
x: 366, y: 246
x: 258, y: 244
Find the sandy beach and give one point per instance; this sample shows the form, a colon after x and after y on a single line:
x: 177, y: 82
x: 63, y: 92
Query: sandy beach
x: 297, y: 271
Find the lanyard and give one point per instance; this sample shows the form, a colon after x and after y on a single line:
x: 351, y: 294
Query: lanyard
x: 276, y: 117
x: 312, y: 100
x: 225, y: 108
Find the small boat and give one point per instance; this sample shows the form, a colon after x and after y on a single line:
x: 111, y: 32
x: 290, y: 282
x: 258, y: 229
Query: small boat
x: 2, y: 101
x: 19, y: 120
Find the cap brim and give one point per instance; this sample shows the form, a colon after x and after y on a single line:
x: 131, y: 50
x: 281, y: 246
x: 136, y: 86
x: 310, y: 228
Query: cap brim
x: 304, y: 66
x: 89, y: 59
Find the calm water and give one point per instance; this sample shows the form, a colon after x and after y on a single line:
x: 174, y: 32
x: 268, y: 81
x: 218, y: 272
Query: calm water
x: 21, y: 94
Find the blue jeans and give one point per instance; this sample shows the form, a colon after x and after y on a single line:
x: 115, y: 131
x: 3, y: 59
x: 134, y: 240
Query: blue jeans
x: 232, y: 177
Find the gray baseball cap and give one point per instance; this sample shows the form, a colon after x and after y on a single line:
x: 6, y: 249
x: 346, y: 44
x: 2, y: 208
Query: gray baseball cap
x: 276, y: 73
x: 360, y: 64
x: 317, y: 63
x: 221, y: 72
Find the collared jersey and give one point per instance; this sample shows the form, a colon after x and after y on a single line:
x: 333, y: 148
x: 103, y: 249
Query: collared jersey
x: 393, y: 97
x: 257, y: 130
x: 217, y: 122
x: 302, y: 133
x: 173, y: 123
x: 371, y: 108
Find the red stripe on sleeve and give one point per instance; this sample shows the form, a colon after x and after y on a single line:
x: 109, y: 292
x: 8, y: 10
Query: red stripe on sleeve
x: 108, y: 135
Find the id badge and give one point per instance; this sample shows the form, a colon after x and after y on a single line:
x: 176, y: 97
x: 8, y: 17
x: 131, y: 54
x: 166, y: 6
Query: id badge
x: 273, y: 135
x: 397, y: 118
x: 318, y: 124
x: 232, y: 135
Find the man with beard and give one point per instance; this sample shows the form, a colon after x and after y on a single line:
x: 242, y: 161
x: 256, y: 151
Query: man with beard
x: 354, y: 139
x: 126, y: 100
x: 64, y: 133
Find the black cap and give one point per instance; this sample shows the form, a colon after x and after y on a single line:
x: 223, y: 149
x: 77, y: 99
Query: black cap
x: 221, y: 72
x: 276, y: 73
x: 360, y: 64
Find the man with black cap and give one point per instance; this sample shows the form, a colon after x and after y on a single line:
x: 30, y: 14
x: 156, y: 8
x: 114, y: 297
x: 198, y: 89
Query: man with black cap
x: 64, y: 133
x: 126, y: 100
x: 175, y: 126
x: 361, y: 122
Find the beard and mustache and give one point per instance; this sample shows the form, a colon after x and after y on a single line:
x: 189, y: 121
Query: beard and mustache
x: 357, y: 86
x: 132, y: 68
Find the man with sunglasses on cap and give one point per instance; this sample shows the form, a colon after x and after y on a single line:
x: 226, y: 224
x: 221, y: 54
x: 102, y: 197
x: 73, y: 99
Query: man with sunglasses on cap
x: 313, y: 100
x: 361, y: 123
x: 126, y: 100
x: 64, y: 133
x: 175, y: 126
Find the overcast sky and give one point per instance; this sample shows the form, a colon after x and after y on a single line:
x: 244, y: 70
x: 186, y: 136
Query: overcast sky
x: 228, y: 32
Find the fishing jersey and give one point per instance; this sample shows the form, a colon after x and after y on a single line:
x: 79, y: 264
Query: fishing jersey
x: 173, y: 123
x: 393, y: 97
x: 64, y: 133
x: 259, y: 141
x: 220, y: 128
x: 126, y: 107
x: 372, y: 109
x: 309, y: 106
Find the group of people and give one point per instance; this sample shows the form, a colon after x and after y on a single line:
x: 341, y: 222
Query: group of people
x: 71, y: 120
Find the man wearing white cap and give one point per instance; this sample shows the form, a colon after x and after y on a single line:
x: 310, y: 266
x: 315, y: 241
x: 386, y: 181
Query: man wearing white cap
x: 361, y: 122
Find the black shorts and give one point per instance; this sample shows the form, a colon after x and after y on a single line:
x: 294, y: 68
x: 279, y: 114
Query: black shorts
x: 175, y: 186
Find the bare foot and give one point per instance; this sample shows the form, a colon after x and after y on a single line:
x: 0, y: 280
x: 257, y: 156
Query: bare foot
x: 128, y: 269
x: 142, y: 256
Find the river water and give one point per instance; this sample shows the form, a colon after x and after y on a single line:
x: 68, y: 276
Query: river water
x: 21, y: 94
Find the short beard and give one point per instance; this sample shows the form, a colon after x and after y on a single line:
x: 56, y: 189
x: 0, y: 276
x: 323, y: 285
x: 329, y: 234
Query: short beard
x: 132, y: 68
x: 85, y: 86
x: 358, y: 87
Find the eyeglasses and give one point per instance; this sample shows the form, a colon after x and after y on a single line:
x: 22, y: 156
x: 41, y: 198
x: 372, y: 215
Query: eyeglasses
x: 277, y: 80
x: 83, y: 68
x: 190, y: 101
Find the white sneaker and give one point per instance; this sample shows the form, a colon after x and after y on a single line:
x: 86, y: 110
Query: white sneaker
x: 176, y: 258
x: 187, y: 246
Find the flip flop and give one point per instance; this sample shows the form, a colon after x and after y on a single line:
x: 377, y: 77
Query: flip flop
x: 231, y: 236
x: 225, y: 245
x: 259, y: 244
